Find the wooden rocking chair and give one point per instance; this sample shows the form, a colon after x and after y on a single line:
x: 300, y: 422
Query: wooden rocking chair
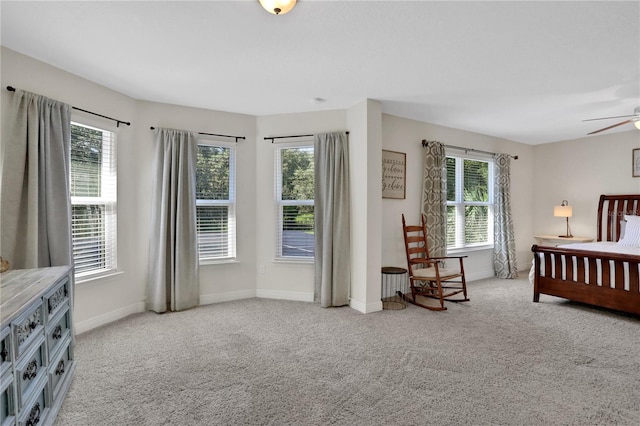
x: 427, y: 276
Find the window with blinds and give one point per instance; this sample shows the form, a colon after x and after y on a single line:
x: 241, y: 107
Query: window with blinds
x: 469, y: 202
x: 294, y: 202
x: 93, y: 200
x: 215, y: 201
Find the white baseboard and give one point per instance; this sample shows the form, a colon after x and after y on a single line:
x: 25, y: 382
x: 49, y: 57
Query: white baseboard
x: 480, y: 275
x: 207, y: 299
x: 285, y: 295
x: 109, y: 317
x: 364, y: 307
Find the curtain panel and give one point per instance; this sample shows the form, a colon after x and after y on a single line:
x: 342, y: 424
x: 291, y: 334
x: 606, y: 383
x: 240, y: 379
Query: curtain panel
x: 332, y: 219
x: 35, y: 200
x: 173, y: 256
x: 434, y: 197
x: 504, y: 245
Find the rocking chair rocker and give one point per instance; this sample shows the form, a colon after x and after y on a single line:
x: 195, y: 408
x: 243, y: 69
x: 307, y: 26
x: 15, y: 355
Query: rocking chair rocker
x: 427, y: 275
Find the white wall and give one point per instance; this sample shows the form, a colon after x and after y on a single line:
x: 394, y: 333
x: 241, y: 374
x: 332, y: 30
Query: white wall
x: 579, y: 171
x: 365, y: 170
x: 404, y: 135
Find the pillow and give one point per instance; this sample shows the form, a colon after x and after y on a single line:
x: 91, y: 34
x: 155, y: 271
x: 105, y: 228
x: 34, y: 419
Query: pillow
x: 623, y: 224
x: 632, y: 218
x: 631, y: 236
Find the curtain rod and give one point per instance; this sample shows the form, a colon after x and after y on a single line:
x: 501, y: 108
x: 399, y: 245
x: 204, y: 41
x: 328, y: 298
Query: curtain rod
x: 13, y: 89
x: 215, y: 134
x: 287, y: 137
x: 424, y: 143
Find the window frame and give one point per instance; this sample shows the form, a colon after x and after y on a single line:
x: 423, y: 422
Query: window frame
x: 460, y: 205
x: 280, y: 203
x: 108, y: 199
x: 232, y: 245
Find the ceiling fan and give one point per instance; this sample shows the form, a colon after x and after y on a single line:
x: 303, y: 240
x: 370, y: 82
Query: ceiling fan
x: 635, y: 120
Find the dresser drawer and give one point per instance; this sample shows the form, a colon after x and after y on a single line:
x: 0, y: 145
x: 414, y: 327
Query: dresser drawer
x: 6, y: 350
x: 36, y: 408
x: 61, y: 367
x: 30, y: 369
x: 27, y: 328
x: 58, y: 329
x: 56, y: 298
x: 7, y: 400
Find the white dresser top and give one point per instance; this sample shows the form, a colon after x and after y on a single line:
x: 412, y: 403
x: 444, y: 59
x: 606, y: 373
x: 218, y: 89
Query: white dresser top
x: 20, y: 286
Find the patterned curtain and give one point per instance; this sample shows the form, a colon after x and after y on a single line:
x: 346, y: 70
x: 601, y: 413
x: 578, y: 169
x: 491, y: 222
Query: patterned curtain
x: 504, y: 246
x: 434, y: 197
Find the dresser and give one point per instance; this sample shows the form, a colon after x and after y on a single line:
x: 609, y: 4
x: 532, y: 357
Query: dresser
x: 36, y: 349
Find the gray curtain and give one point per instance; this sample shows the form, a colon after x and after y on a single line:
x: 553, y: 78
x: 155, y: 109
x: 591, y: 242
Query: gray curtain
x: 35, y: 201
x: 434, y: 197
x: 332, y: 219
x: 504, y: 245
x: 173, y: 256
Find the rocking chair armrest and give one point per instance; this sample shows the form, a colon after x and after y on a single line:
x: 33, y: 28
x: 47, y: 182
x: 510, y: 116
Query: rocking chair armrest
x: 448, y: 257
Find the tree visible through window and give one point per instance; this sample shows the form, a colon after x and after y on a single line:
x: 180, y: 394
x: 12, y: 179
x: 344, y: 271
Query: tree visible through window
x: 295, y: 193
x: 469, y: 202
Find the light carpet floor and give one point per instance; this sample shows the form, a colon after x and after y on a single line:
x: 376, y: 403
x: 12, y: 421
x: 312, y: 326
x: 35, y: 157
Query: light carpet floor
x: 499, y: 359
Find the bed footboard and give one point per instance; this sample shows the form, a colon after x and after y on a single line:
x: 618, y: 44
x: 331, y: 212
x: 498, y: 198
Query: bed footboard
x: 597, y: 278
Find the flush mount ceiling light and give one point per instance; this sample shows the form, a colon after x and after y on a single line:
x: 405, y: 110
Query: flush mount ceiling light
x: 278, y: 7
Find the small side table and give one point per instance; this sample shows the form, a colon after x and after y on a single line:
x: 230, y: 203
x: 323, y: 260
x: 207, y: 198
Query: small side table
x: 394, y: 283
x: 554, y: 240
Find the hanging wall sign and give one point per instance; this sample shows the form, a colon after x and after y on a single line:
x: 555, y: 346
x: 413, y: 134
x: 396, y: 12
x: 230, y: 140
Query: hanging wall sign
x: 393, y: 174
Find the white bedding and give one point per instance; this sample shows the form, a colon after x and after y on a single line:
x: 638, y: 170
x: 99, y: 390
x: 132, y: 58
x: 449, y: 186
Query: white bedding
x: 603, y: 246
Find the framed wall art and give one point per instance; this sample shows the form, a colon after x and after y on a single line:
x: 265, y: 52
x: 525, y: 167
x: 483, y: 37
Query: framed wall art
x: 394, y: 174
x: 635, y: 170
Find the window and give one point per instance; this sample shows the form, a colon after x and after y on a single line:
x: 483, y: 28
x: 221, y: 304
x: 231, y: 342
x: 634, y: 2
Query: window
x: 294, y: 199
x: 93, y: 200
x: 215, y: 201
x: 469, y: 202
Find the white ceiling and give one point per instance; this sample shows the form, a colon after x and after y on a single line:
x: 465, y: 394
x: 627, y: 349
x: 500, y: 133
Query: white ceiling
x: 524, y: 71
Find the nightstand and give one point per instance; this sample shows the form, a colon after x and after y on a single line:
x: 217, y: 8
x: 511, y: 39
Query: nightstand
x: 554, y: 240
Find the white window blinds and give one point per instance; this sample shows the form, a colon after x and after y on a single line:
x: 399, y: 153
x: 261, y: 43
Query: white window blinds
x: 215, y: 201
x: 93, y: 200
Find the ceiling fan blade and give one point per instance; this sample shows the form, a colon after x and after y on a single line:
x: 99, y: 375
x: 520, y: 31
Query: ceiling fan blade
x: 607, y: 118
x: 611, y: 127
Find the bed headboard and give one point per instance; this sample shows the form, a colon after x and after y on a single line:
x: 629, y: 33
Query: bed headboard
x: 611, y: 210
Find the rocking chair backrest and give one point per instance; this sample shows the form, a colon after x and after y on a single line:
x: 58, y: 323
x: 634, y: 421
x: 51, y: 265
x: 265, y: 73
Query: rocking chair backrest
x: 416, y: 246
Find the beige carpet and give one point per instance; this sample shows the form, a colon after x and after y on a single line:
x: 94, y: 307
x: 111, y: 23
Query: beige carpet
x: 498, y: 359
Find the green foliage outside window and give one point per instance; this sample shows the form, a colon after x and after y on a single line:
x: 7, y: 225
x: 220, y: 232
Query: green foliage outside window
x: 473, y: 199
x: 297, y: 184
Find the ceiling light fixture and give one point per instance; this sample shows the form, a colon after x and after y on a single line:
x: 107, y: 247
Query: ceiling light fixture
x: 637, y: 123
x: 278, y: 7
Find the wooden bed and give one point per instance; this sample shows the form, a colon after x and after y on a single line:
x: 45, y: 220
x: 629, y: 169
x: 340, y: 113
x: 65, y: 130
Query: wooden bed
x: 582, y: 283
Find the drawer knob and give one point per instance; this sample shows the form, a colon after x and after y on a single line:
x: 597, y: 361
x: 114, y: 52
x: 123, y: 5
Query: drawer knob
x: 60, y: 368
x: 34, y: 415
x: 31, y: 371
x: 57, y: 333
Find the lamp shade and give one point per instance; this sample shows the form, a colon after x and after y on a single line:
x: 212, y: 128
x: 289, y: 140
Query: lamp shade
x: 562, y: 211
x: 278, y: 7
x: 637, y: 123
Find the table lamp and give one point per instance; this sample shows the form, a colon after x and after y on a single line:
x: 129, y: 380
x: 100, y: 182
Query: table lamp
x: 564, y: 210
